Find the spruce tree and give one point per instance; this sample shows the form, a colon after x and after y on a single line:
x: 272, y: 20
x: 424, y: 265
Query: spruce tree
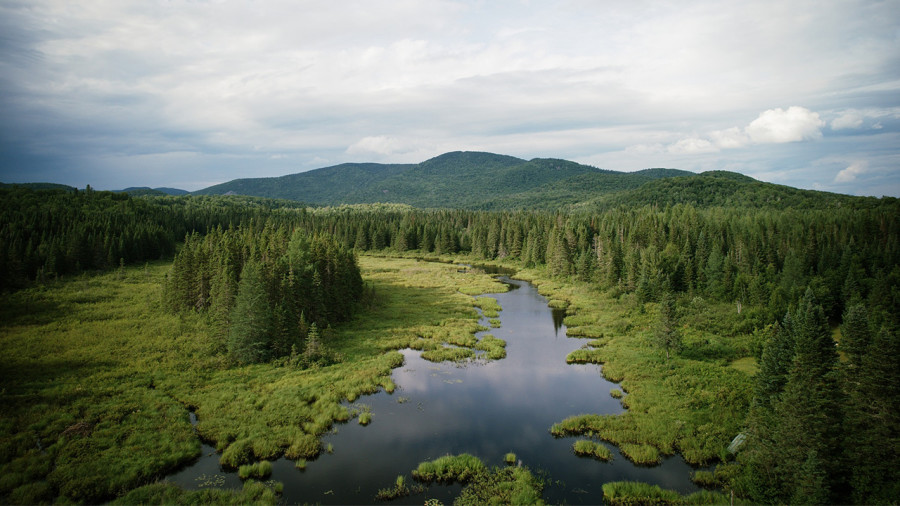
x: 666, y: 332
x: 251, y: 319
x: 809, y: 414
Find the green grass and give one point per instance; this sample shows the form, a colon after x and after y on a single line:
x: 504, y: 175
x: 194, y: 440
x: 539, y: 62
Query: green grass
x: 584, y: 356
x: 490, y: 308
x: 629, y: 493
x: 400, y: 489
x: 495, y: 323
x: 615, y: 393
x: 693, y: 403
x: 443, y: 354
x: 365, y: 418
x: 510, y: 458
x: 98, y: 373
x: 253, y: 492
x: 449, y: 469
x: 642, y: 454
x: 510, y: 485
x: 587, y: 448
x: 494, y: 348
x: 258, y: 470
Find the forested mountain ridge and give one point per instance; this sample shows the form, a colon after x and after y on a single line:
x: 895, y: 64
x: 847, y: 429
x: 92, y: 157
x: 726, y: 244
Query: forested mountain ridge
x: 487, y: 181
x: 461, y: 179
x: 726, y: 189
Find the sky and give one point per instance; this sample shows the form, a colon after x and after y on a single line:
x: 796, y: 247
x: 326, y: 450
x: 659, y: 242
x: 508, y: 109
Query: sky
x: 191, y: 93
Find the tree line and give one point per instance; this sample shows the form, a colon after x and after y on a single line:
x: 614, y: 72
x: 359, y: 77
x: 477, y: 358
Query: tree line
x: 822, y: 430
x: 271, y: 290
x: 45, y: 233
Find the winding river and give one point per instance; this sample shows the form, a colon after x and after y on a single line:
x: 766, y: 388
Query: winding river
x: 484, y: 408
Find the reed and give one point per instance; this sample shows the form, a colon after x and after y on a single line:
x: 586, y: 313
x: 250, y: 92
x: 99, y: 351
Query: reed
x: 258, y: 470
x: 587, y: 448
x: 450, y: 468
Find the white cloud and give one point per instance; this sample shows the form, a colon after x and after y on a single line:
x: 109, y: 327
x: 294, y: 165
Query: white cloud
x: 276, y: 85
x: 774, y: 126
x: 779, y: 126
x: 692, y: 146
x: 381, y: 145
x: 730, y: 138
x: 850, y: 119
x: 849, y: 174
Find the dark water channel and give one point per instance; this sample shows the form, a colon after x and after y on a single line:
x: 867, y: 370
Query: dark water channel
x: 483, y: 408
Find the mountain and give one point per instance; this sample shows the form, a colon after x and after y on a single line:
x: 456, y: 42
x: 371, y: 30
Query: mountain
x: 146, y: 190
x: 39, y: 186
x: 727, y: 189
x: 487, y: 181
x: 461, y: 179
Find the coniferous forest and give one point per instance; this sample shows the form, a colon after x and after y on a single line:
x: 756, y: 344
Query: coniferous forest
x: 810, y: 294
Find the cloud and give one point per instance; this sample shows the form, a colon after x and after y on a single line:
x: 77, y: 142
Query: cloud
x: 780, y: 126
x: 773, y: 126
x: 273, y: 88
x: 850, y: 119
x: 849, y: 174
x: 691, y: 146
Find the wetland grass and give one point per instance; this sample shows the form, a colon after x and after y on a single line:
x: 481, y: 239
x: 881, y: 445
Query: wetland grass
x: 510, y: 458
x: 490, y: 308
x: 692, y: 403
x: 615, y: 393
x: 587, y: 448
x: 96, y: 368
x: 629, y: 493
x: 253, y: 492
x: 509, y: 485
x: 449, y: 468
x: 258, y: 470
x: 494, y: 348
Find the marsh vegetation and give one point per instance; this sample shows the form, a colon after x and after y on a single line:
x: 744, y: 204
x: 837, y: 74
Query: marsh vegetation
x: 717, y: 322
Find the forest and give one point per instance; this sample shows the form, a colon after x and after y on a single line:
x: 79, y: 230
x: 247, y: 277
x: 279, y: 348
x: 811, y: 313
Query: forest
x: 809, y: 293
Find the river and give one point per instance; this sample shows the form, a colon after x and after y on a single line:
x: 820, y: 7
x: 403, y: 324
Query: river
x: 483, y: 408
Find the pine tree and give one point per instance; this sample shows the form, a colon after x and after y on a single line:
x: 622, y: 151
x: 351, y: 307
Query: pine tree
x: 666, y: 332
x: 808, y: 414
x: 777, y: 358
x: 249, y: 337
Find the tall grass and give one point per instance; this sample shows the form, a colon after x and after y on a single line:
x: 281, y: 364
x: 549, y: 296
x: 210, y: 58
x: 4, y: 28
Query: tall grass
x: 587, y: 448
x: 693, y: 403
x: 629, y: 493
x: 98, y: 378
x: 258, y: 470
x: 450, y: 468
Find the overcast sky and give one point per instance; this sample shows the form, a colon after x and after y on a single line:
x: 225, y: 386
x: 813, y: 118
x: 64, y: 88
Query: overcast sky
x: 188, y: 94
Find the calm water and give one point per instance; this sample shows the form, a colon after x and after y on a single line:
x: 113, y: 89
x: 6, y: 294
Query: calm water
x: 483, y: 408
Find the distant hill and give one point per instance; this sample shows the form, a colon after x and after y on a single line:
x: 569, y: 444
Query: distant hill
x: 146, y: 190
x: 461, y: 179
x: 39, y: 186
x: 726, y: 189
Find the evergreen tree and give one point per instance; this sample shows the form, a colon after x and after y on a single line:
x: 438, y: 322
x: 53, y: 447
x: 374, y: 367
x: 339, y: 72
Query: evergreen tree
x: 249, y: 337
x: 666, y: 332
x: 809, y: 414
x: 777, y: 358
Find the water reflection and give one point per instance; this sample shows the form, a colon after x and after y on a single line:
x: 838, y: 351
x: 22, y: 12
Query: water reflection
x: 483, y: 408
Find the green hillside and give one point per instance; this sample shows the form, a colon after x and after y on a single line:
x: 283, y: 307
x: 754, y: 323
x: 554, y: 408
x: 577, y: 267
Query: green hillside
x: 725, y: 189
x: 461, y: 179
x: 487, y: 181
x: 146, y: 190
